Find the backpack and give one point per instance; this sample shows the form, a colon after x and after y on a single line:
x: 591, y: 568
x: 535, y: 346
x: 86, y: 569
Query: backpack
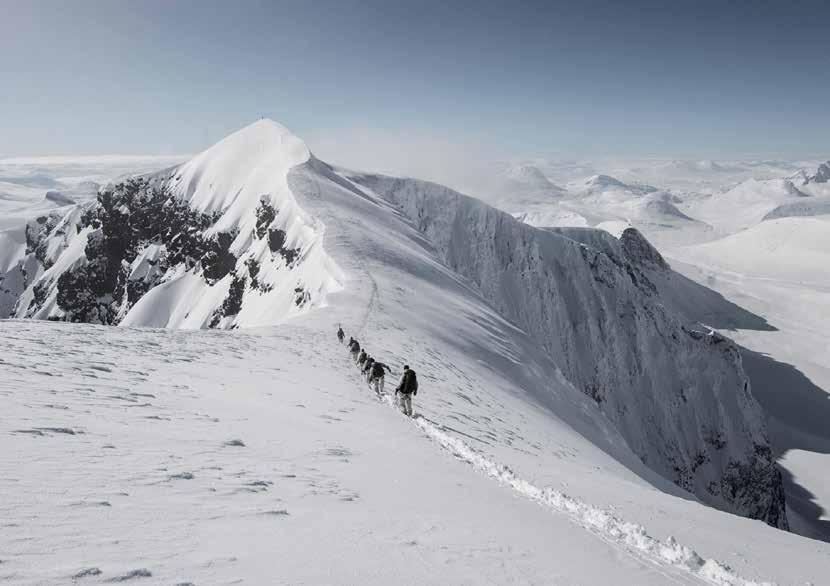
x: 410, y: 382
x: 377, y: 370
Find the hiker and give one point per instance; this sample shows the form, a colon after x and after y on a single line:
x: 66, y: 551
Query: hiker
x: 362, y: 358
x: 376, y: 376
x: 407, y: 387
x: 367, y: 368
x: 340, y: 333
x: 354, y: 348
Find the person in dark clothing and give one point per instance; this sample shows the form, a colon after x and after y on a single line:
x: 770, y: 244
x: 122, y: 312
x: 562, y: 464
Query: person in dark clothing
x: 354, y: 349
x: 376, y: 376
x: 407, y: 387
x: 367, y: 368
x: 340, y: 334
x: 362, y: 358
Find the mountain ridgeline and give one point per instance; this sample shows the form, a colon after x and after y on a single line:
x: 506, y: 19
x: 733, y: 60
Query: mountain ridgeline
x: 200, y: 246
x: 222, y: 242
x: 676, y: 390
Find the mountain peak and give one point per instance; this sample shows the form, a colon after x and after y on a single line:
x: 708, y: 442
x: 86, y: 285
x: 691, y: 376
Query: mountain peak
x: 819, y: 174
x: 264, y: 137
x: 603, y: 181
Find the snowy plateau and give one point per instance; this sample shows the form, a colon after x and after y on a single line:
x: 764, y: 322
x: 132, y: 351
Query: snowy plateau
x: 623, y: 371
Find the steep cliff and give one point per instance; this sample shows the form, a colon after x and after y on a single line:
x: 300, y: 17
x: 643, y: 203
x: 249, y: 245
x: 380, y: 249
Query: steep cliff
x: 677, y: 393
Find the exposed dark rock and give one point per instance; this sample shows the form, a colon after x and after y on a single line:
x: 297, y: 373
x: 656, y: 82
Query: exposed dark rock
x: 639, y: 250
x: 125, y: 220
x: 276, y: 239
x: 265, y: 215
x: 218, y: 261
x: 253, y: 271
x: 233, y: 301
x: 276, y: 242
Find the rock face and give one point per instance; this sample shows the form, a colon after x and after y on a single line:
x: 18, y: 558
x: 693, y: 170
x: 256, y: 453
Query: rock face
x: 216, y: 242
x: 639, y: 250
x: 676, y: 392
x: 822, y: 174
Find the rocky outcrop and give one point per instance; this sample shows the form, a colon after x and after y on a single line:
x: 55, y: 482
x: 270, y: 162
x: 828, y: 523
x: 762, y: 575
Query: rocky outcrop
x: 639, y: 251
x: 216, y: 242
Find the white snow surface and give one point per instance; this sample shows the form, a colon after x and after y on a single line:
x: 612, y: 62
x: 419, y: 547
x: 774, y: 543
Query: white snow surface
x: 212, y: 457
x: 259, y: 455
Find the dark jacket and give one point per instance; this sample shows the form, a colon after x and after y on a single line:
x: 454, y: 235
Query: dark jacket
x: 377, y: 369
x: 409, y: 383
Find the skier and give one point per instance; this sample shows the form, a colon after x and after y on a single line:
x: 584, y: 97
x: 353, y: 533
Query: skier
x: 367, y: 368
x: 407, y: 387
x: 354, y: 349
x: 340, y: 333
x: 376, y: 376
x: 362, y: 358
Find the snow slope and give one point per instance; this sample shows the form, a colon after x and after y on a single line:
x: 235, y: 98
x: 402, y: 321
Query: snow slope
x: 777, y: 269
x: 418, y: 268
x: 746, y: 204
x: 596, y: 317
x: 521, y: 185
x: 235, y: 251
x: 786, y: 249
x: 233, y: 178
x: 196, y: 457
x: 35, y: 187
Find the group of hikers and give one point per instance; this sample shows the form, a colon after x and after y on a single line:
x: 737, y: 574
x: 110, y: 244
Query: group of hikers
x: 375, y: 373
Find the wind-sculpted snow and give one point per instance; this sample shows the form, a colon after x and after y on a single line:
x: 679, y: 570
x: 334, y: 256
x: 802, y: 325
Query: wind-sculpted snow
x: 216, y: 242
x: 676, y: 392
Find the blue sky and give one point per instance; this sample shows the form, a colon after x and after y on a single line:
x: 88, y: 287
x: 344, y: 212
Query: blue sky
x: 577, y: 78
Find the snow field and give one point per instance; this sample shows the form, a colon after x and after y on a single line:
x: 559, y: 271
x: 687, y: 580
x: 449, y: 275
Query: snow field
x: 604, y: 524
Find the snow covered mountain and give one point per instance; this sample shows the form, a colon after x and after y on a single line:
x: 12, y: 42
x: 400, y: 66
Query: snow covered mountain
x: 745, y: 204
x: 522, y: 186
x: 595, y: 312
x: 222, y: 241
x: 602, y: 183
x: 217, y: 242
x: 820, y: 174
x: 577, y: 359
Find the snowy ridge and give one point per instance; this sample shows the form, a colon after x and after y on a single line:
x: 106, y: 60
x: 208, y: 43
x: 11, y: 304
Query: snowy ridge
x: 599, y: 317
x: 568, y: 364
x: 606, y: 525
x: 217, y: 242
x: 244, y: 172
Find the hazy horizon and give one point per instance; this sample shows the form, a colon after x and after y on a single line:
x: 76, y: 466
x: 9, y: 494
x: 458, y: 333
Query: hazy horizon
x: 388, y: 85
